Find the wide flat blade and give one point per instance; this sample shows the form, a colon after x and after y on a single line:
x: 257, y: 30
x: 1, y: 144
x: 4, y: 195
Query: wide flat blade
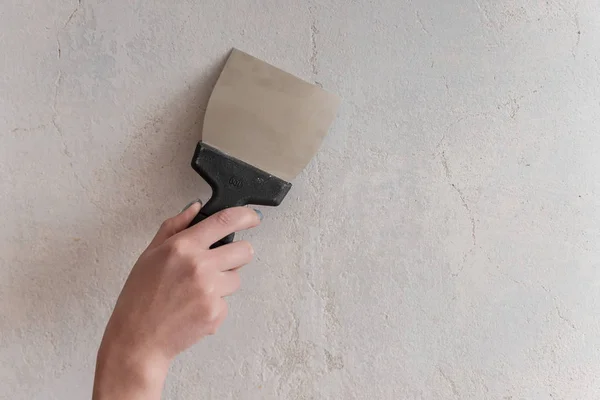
x: 267, y: 117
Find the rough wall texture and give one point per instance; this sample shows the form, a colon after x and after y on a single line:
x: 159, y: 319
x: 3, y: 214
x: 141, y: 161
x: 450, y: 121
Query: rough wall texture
x: 442, y: 245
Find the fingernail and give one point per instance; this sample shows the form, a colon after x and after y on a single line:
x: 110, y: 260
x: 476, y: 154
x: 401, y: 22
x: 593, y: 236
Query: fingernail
x: 190, y: 204
x: 259, y: 213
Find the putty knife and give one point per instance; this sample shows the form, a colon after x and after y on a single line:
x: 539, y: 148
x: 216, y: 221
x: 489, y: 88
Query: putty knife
x: 261, y: 128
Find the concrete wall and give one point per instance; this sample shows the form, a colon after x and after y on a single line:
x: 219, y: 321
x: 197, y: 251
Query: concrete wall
x: 442, y: 245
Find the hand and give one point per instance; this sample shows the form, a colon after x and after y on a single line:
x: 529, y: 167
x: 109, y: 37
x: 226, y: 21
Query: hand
x: 172, y: 298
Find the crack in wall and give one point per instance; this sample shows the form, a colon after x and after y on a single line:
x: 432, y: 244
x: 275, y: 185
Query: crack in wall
x: 578, y: 32
x: 461, y: 195
x: 576, y: 23
x: 483, y: 12
x: 562, y: 317
x: 451, y: 125
x: 421, y: 24
x: 316, y: 283
x: 557, y: 308
x: 314, y: 54
x: 486, y: 19
x: 450, y: 382
x: 420, y: 20
x: 72, y: 14
x: 327, y: 296
x: 509, y: 277
x: 56, y: 113
x: 465, y: 205
x: 313, y: 57
x: 445, y: 165
x: 448, y: 174
x: 67, y: 22
x: 446, y: 85
x: 513, y: 105
x: 29, y: 129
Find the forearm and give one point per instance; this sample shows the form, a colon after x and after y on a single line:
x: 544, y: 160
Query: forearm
x: 173, y: 297
x: 122, y: 375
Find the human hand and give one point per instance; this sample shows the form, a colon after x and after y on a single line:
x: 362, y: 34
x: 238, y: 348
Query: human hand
x: 172, y: 298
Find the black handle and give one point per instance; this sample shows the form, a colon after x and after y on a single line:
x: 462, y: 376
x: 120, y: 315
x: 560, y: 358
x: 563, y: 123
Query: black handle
x: 234, y: 183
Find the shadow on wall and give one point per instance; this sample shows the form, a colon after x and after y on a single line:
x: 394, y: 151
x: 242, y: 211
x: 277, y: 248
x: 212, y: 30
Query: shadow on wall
x: 71, y: 282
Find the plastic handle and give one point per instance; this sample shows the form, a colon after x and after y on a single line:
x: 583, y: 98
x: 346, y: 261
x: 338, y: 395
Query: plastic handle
x: 234, y: 183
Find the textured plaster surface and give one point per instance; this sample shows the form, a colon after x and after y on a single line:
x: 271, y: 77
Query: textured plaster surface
x: 444, y: 243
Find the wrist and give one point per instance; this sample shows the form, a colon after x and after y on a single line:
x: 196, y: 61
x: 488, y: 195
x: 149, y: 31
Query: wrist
x: 124, y: 373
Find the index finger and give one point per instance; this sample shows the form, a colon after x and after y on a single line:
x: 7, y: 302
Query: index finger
x: 221, y: 224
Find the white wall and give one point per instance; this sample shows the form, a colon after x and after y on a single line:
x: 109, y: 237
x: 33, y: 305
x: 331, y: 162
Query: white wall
x: 442, y: 245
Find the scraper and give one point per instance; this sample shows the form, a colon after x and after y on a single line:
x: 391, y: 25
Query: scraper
x: 261, y: 128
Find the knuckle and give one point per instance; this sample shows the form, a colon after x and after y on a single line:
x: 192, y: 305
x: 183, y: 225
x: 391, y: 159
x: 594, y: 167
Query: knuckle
x: 195, y: 274
x: 205, y: 283
x: 208, y: 288
x: 202, y: 264
x: 167, y: 225
x: 210, y: 310
x: 177, y: 248
x: 226, y: 217
x: 247, y: 248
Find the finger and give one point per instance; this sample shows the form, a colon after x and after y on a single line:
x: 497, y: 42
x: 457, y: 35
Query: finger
x: 221, y: 224
x: 232, y: 256
x: 230, y: 283
x: 175, y: 224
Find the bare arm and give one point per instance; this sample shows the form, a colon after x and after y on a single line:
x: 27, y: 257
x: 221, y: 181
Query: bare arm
x: 172, y: 298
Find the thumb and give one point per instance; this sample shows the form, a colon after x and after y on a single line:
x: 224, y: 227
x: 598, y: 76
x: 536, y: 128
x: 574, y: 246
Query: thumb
x: 175, y: 224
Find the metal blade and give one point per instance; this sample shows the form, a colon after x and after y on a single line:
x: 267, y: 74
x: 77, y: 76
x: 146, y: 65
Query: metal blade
x: 267, y: 117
